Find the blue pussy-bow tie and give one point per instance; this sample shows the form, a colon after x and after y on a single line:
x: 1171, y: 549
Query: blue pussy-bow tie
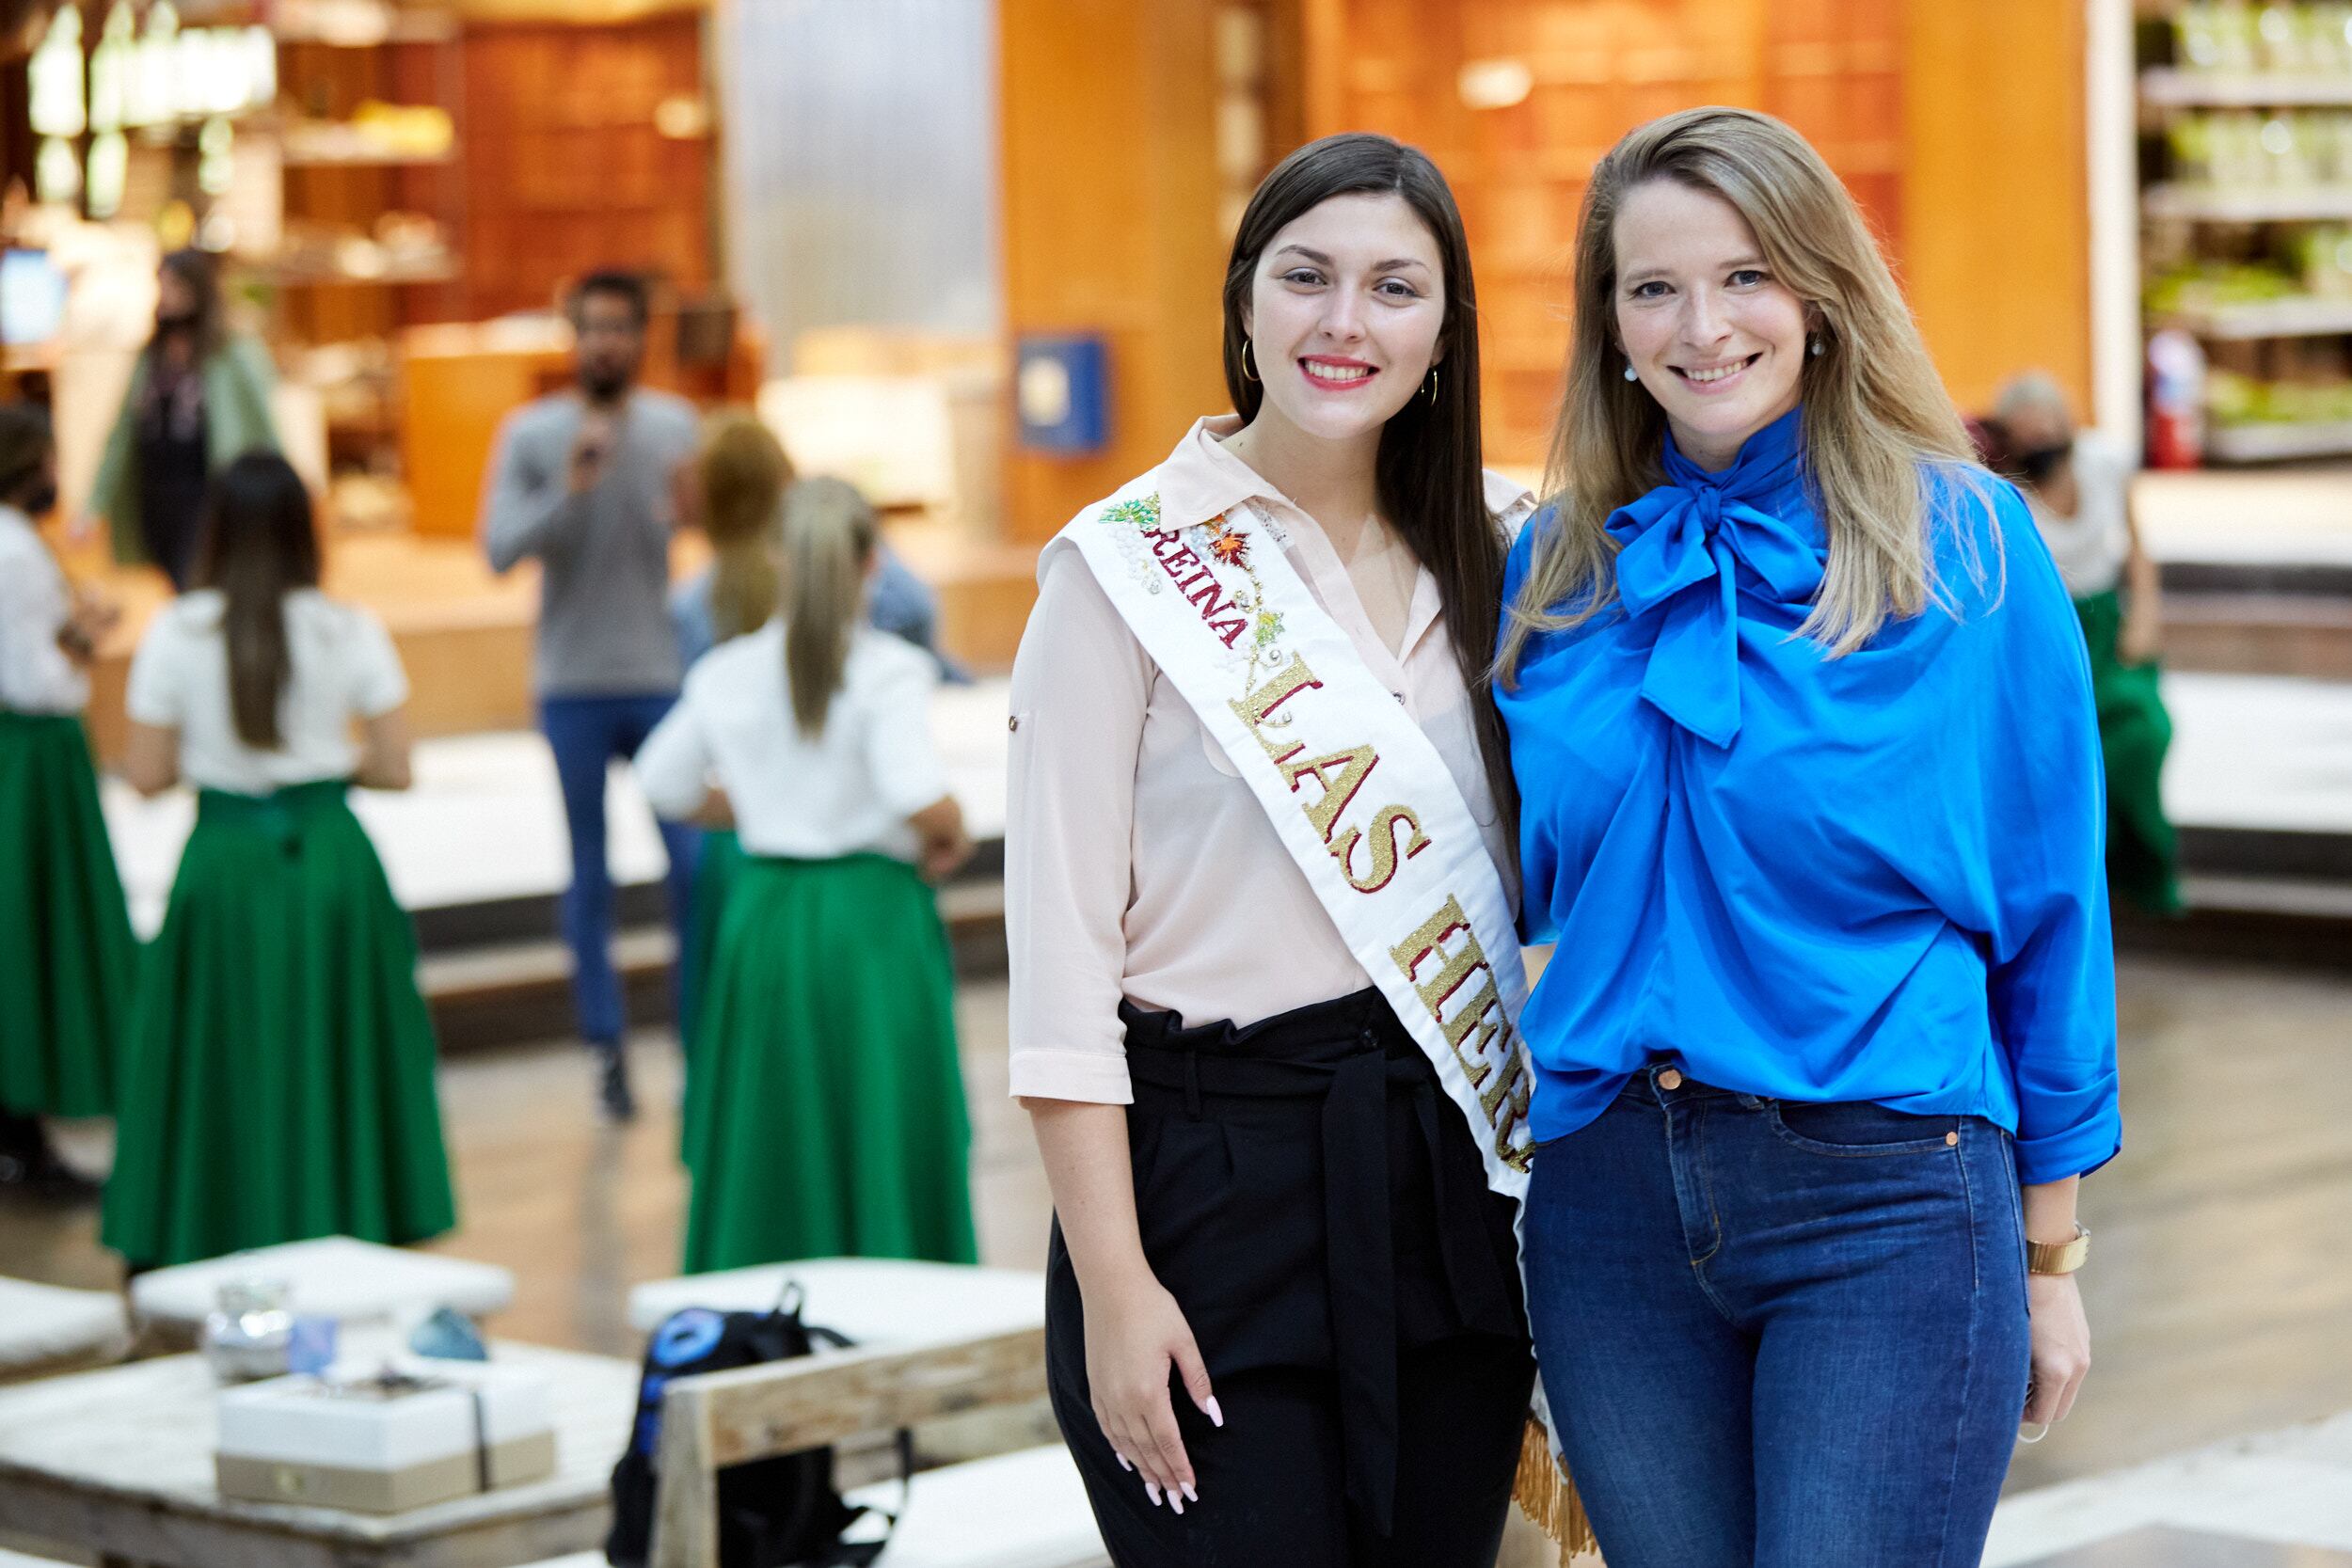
x: 1682, y: 547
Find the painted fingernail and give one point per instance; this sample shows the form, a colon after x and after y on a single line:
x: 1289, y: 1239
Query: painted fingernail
x: 1152, y: 1490
x: 1175, y: 1502
x: 1191, y: 1496
x: 1122, y: 1461
x: 1217, y: 1417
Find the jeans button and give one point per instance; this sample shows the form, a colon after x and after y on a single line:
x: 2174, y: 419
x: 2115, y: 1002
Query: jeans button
x: 1670, y: 1079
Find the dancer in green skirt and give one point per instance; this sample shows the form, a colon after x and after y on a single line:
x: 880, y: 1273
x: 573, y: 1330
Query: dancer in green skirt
x: 279, y: 1080
x: 2079, y: 490
x: 826, y: 1112
x: 738, y: 482
x: 66, y: 953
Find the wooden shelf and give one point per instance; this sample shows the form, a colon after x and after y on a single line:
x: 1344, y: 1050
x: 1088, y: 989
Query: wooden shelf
x: 2263, y: 443
x: 2244, y: 90
x: 438, y: 269
x: 2255, y: 204
x: 299, y: 158
x: 2299, y: 317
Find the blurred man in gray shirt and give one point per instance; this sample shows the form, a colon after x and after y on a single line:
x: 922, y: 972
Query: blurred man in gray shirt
x: 582, y: 480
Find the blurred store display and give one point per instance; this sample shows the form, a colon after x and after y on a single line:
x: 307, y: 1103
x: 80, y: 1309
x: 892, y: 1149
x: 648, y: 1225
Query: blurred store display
x: 2246, y: 203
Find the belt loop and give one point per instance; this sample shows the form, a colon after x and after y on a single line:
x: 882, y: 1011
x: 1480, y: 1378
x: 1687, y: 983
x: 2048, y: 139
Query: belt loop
x: 1192, y: 1082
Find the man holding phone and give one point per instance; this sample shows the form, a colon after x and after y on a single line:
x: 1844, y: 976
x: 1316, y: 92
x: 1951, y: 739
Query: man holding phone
x: 582, y: 480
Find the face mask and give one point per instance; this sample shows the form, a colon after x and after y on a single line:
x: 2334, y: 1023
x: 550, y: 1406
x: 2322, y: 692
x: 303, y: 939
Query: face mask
x: 2040, y: 463
x: 178, y: 321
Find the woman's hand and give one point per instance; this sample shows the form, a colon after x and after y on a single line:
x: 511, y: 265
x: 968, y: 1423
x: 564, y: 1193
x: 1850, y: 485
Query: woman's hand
x: 1135, y: 1332
x: 2060, y: 1347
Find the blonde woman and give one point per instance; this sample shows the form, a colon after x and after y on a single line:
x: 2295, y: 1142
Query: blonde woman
x: 824, y: 1113
x: 1803, y: 730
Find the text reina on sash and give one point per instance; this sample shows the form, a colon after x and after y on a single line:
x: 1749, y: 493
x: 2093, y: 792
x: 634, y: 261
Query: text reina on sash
x: 1472, y: 1019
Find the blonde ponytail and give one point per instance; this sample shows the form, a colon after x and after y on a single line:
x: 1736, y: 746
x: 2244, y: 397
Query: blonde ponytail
x: 829, y: 535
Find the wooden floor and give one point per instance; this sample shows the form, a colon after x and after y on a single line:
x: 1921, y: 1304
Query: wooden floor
x: 2220, y: 1290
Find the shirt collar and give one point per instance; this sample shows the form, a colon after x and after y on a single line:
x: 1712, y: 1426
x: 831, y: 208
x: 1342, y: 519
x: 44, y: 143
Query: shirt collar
x: 1200, y: 479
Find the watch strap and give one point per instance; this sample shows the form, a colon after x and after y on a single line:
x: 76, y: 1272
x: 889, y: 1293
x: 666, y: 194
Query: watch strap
x: 2059, y: 1257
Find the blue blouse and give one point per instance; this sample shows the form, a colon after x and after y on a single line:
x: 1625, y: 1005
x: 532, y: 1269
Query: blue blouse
x: 1877, y: 878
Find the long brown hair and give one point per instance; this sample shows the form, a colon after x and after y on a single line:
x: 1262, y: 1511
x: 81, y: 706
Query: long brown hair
x: 828, y: 535
x: 260, y: 546
x: 1877, y: 422
x: 1429, y: 472
x: 744, y: 474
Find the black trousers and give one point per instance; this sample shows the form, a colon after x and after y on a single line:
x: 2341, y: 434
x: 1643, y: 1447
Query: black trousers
x: 1317, y: 1208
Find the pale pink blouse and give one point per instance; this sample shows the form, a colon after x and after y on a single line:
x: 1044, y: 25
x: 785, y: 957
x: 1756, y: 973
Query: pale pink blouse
x: 1137, y: 865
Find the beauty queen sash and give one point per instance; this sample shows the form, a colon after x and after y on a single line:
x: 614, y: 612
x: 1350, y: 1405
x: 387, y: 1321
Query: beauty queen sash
x: 1368, y: 809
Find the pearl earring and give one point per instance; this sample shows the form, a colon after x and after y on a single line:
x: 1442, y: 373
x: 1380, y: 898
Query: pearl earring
x: 1630, y: 375
x: 1819, y: 348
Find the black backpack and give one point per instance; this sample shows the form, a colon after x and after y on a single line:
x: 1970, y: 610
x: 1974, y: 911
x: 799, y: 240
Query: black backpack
x: 777, y: 1512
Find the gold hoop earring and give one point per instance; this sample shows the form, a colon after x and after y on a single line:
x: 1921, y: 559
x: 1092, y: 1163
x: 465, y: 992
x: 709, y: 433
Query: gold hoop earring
x: 1248, y: 369
x: 1433, y: 385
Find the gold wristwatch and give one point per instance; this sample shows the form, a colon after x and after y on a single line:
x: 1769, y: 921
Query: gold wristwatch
x: 2059, y: 1257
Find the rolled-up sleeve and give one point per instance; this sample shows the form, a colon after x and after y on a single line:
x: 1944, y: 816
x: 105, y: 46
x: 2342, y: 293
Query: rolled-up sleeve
x: 1080, y: 686
x: 2052, y: 983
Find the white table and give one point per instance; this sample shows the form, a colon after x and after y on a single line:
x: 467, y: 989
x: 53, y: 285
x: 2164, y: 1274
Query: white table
x: 120, y: 1462
x: 877, y: 1302
x: 329, y: 1276
x: 47, y: 1329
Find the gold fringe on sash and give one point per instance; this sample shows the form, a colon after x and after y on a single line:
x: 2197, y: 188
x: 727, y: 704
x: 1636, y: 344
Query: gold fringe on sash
x: 1546, y: 1495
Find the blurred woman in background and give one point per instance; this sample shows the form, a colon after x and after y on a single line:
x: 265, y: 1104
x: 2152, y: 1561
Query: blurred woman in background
x: 279, y: 1080
x: 824, y: 1110
x: 66, y: 951
x: 2078, y: 486
x: 733, y: 491
x: 198, y: 397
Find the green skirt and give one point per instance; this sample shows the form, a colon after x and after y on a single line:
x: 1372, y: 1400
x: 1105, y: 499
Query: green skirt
x: 279, y: 1078
x: 67, y: 957
x: 824, y: 1105
x: 714, y: 876
x: 2135, y: 732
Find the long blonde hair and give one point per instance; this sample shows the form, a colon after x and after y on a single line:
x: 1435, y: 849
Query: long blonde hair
x: 1877, y: 422
x: 829, y: 532
x: 743, y: 471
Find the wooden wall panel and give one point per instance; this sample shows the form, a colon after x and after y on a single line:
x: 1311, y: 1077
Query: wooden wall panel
x: 1598, y: 67
x: 1996, y: 253
x: 1110, y: 223
x: 565, y: 168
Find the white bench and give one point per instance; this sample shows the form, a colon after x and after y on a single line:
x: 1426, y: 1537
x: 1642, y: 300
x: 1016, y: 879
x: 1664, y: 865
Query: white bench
x: 45, y: 1329
x: 332, y: 1276
x: 874, y: 1301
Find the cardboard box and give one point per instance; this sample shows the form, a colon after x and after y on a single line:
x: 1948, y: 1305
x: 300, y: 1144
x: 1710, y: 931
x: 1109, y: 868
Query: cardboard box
x: 351, y: 1439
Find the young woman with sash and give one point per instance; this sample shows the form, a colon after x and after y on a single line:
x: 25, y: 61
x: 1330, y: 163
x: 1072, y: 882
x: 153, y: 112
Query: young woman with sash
x: 1810, y: 802
x: 66, y: 952
x: 824, y: 1106
x: 1259, y: 901
x: 279, y: 1078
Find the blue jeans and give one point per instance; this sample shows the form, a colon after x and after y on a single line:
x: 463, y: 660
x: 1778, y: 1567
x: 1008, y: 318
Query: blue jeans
x: 586, y: 734
x: 1776, y: 1334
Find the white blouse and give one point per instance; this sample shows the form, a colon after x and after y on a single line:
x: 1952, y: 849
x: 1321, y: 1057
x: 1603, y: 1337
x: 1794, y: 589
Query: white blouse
x: 344, y: 666
x: 2091, y: 546
x: 851, y: 787
x: 36, y: 676
x: 1139, y: 865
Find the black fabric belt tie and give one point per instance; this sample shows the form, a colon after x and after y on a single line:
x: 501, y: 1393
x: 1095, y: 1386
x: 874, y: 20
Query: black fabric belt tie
x: 1353, y: 1081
